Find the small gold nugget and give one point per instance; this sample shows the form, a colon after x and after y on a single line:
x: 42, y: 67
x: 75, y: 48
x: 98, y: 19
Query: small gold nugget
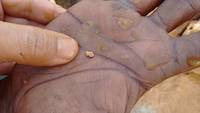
x: 89, y: 54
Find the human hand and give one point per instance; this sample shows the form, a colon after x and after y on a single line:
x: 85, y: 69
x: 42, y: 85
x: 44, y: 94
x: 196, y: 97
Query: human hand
x: 32, y: 11
x: 31, y: 45
x: 132, y: 53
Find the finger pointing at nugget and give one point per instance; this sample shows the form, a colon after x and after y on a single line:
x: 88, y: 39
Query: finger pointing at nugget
x: 35, y: 46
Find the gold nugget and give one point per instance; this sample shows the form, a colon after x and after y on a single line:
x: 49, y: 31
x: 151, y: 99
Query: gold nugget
x: 89, y: 54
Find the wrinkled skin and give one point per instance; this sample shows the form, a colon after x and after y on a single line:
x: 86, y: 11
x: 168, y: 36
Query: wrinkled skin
x: 132, y: 54
x: 13, y: 38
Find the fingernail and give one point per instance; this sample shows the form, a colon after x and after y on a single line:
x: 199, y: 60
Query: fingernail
x: 67, y: 50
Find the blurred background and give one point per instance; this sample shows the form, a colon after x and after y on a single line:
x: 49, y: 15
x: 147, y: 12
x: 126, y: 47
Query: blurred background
x: 65, y: 3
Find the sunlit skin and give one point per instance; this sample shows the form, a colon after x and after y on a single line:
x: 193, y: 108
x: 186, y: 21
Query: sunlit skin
x: 131, y: 53
x: 41, y: 11
x: 167, y: 97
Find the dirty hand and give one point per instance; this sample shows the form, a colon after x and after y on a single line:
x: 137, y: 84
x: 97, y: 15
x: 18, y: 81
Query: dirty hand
x: 129, y: 54
x: 31, y: 45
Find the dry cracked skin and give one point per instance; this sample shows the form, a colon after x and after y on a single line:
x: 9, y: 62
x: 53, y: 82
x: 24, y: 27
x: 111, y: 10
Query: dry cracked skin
x: 132, y: 54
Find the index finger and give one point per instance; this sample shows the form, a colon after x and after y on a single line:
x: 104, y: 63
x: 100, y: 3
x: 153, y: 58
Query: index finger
x: 172, y: 13
x: 42, y: 11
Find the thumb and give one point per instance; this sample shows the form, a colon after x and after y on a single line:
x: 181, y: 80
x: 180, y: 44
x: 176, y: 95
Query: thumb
x: 35, y: 46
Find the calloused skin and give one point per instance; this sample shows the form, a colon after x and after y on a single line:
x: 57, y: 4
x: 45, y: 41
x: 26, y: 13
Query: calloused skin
x: 132, y: 54
x: 29, y: 45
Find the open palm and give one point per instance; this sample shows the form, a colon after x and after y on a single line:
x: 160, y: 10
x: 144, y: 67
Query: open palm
x: 132, y: 54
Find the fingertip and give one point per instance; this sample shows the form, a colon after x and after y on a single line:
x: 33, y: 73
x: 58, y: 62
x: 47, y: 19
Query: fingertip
x: 64, y: 51
x: 67, y: 50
